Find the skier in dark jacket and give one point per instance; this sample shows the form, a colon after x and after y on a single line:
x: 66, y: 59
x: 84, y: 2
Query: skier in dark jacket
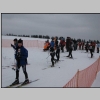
x: 62, y: 44
x: 56, y: 41
x: 70, y: 50
x: 57, y: 52
x: 57, y: 48
x: 87, y: 46
x: 21, y: 56
x: 91, y: 49
x: 68, y: 39
x: 52, y: 54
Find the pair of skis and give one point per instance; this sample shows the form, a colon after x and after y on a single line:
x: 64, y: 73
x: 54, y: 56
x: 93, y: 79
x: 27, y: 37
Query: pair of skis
x: 20, y: 84
x: 51, y: 65
x: 70, y: 58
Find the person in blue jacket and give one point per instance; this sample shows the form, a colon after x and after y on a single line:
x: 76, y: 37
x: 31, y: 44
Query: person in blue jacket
x: 15, y: 46
x: 21, y: 56
x: 52, y: 44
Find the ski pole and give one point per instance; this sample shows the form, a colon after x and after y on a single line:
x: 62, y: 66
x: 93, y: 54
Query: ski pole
x: 48, y: 56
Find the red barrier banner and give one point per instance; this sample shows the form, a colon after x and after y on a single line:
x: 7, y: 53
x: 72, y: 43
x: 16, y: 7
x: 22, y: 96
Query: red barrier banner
x: 26, y: 43
x: 86, y: 77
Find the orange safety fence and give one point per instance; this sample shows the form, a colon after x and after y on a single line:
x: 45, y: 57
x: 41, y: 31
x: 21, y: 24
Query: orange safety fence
x: 26, y: 43
x: 86, y: 77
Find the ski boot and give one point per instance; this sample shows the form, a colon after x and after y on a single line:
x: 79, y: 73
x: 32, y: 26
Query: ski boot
x: 91, y: 55
x: 52, y: 64
x: 26, y: 81
x: 15, y: 82
x: 71, y: 57
x: 55, y: 61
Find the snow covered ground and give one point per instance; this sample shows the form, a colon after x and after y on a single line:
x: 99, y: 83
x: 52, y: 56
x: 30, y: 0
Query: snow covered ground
x: 56, y: 76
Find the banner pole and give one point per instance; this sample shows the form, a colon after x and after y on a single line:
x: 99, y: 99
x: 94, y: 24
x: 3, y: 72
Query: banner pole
x: 97, y: 67
x: 77, y: 77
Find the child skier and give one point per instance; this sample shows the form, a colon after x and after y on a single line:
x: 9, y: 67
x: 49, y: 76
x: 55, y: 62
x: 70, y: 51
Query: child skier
x: 21, y: 56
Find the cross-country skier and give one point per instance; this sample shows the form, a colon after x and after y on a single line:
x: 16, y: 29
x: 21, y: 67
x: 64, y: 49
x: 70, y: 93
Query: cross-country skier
x: 93, y: 45
x: 21, y: 56
x: 91, y: 49
x: 52, y: 54
x: 67, y: 43
x: 75, y: 45
x: 52, y: 44
x: 87, y: 46
x: 82, y: 45
x: 57, y: 48
x: 57, y: 52
x: 62, y: 44
x: 15, y: 46
x: 98, y: 45
x: 70, y: 50
x: 56, y: 41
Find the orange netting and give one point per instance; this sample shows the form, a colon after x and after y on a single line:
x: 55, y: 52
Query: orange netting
x: 86, y: 77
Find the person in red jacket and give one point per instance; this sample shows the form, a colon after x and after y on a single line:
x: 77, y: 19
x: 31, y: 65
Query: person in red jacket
x: 80, y: 44
x: 93, y: 44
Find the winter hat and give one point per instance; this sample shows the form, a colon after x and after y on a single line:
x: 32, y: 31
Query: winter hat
x: 15, y: 39
x: 20, y: 41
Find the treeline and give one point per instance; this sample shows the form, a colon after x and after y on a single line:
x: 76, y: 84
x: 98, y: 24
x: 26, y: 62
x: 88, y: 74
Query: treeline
x: 32, y: 36
x: 48, y: 37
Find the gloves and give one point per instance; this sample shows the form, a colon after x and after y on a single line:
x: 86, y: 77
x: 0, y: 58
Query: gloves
x: 18, y: 56
x: 11, y: 45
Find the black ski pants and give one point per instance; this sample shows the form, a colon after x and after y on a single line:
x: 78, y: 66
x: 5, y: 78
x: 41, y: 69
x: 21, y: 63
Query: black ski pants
x: 52, y: 58
x: 70, y: 53
x: 86, y: 49
x: 62, y: 48
x: 24, y: 71
x: 91, y: 51
x: 58, y: 54
x: 97, y: 50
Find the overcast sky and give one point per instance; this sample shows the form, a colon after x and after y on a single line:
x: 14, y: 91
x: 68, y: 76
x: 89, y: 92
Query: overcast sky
x: 84, y: 26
